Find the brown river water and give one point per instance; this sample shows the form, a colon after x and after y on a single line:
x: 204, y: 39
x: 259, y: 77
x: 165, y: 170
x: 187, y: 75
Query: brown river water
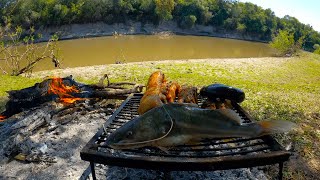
x: 137, y: 48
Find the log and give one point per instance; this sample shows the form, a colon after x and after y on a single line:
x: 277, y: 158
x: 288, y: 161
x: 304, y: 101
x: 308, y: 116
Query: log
x: 117, y: 93
x: 24, y: 99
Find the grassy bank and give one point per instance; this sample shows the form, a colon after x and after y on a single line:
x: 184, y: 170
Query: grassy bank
x: 276, y: 88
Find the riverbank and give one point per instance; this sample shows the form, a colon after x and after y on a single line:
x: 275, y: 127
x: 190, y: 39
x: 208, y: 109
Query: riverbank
x: 76, y: 31
x: 276, y: 89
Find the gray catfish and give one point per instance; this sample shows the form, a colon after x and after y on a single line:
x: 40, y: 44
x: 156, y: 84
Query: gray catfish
x: 177, y: 124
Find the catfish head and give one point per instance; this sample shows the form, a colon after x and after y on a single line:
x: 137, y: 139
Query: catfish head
x: 142, y: 131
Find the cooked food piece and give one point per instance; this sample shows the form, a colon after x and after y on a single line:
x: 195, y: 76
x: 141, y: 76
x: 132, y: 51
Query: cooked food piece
x: 220, y: 105
x: 217, y: 104
x: 153, y: 97
x: 228, y: 104
x: 207, y: 104
x: 188, y: 94
x: 155, y: 80
x: 173, y: 89
x: 177, y: 124
x: 223, y: 92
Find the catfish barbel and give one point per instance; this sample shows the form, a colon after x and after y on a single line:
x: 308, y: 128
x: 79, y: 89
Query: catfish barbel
x: 177, y: 124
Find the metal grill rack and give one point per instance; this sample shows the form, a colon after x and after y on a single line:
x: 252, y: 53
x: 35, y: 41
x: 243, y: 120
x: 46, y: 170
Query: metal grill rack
x: 209, y: 155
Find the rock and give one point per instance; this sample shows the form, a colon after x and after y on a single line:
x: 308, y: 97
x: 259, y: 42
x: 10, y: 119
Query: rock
x: 43, y: 148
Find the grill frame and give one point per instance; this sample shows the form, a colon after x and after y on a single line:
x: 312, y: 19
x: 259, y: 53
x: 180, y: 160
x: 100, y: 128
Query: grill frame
x: 173, y: 162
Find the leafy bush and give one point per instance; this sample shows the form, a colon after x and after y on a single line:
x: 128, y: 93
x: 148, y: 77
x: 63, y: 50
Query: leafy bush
x: 284, y: 43
x: 316, y: 48
x: 188, y: 21
x: 317, y: 51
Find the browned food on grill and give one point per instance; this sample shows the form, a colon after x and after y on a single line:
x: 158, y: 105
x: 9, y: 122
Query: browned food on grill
x: 178, y: 124
x: 187, y: 94
x: 209, y: 104
x: 172, y: 91
x: 153, y: 97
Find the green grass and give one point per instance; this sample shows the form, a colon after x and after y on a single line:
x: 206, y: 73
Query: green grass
x: 8, y: 83
x: 276, y: 88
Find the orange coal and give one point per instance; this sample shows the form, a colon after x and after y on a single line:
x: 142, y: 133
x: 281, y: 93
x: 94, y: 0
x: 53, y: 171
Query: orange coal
x: 2, y: 118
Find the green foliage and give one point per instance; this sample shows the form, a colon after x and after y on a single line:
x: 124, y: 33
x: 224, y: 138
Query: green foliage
x: 283, y: 42
x: 164, y: 9
x: 241, y: 27
x: 246, y: 18
x: 20, y: 54
x: 188, y: 21
x: 317, y: 51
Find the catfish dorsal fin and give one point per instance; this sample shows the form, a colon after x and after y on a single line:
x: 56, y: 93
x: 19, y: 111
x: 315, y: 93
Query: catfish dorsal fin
x: 231, y: 114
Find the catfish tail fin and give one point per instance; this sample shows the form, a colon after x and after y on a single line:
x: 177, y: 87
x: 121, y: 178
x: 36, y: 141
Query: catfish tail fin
x: 276, y: 126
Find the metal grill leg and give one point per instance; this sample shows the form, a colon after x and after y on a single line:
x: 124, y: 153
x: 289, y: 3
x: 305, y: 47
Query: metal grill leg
x: 280, y: 171
x: 93, y: 171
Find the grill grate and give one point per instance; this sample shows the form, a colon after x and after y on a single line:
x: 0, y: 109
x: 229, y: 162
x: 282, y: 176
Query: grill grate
x: 210, y: 154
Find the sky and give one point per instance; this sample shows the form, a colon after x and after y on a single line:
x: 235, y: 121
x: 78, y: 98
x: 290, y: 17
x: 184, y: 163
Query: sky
x: 306, y: 11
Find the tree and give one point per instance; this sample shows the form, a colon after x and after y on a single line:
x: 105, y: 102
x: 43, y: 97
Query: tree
x: 188, y: 21
x: 21, y: 55
x: 164, y: 9
x: 284, y: 43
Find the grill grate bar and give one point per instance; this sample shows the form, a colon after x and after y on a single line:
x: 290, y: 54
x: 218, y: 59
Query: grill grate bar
x: 197, y: 155
x: 220, y: 148
x: 222, y: 141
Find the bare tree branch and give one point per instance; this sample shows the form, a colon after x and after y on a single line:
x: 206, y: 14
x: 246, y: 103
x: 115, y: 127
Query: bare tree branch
x: 11, y: 51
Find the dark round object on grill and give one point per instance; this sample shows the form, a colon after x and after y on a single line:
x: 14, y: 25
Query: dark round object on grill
x: 223, y: 92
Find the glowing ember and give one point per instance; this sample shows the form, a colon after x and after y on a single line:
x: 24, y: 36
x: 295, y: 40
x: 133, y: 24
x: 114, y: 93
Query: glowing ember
x: 63, y: 91
x: 70, y: 100
x: 2, y: 118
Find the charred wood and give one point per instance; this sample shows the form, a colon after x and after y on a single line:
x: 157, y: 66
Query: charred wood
x: 24, y: 99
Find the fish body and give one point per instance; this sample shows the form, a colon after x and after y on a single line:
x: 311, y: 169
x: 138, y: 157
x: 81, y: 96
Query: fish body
x: 177, y: 124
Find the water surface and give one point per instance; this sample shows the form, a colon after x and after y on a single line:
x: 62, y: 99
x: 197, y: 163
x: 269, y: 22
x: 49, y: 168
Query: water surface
x: 134, y: 48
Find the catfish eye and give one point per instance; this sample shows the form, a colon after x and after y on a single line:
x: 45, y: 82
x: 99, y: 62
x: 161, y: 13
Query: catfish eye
x: 129, y: 133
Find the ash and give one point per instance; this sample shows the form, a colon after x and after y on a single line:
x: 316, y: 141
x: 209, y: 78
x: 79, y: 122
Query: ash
x: 45, y: 143
x: 113, y: 172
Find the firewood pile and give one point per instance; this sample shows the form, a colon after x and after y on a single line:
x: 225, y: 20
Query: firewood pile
x: 47, y: 106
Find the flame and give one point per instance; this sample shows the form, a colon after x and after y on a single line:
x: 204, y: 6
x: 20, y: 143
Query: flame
x: 63, y: 91
x: 2, y: 118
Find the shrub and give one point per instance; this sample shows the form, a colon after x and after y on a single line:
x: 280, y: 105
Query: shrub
x: 284, y: 43
x: 317, y: 51
x: 188, y: 21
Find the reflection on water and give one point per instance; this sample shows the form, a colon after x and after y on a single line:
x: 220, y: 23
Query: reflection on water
x: 133, y: 48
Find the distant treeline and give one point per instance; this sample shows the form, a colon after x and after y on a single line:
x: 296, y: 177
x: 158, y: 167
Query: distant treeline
x: 246, y: 18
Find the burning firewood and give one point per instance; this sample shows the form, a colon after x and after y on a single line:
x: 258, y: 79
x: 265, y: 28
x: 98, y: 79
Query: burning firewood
x: 66, y: 91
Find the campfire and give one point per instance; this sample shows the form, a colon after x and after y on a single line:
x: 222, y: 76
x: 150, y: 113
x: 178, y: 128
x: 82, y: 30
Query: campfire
x: 49, y: 105
x: 63, y: 91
